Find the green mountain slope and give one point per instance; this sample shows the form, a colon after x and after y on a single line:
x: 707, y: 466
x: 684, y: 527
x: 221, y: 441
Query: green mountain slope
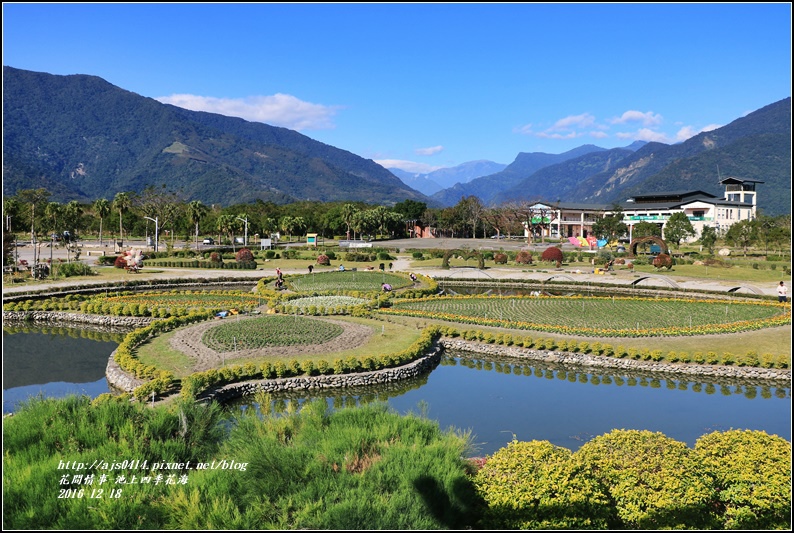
x: 84, y: 138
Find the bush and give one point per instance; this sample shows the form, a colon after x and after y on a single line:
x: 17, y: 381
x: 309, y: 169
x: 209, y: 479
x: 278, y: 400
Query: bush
x: 120, y: 262
x: 500, y: 258
x: 663, y: 261
x: 215, y: 257
x: 524, y: 258
x: 418, y: 255
x: 552, y: 255
x: 323, y: 259
x: 244, y: 255
x: 752, y: 475
x: 536, y: 485
x: 656, y: 482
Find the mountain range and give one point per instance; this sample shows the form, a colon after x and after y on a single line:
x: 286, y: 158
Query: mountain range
x: 83, y: 138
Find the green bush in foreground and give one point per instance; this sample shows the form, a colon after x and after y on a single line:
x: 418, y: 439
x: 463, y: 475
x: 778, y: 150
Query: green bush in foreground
x: 369, y: 468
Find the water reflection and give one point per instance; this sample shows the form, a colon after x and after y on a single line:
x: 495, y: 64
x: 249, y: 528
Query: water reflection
x: 55, y: 360
x: 499, y: 399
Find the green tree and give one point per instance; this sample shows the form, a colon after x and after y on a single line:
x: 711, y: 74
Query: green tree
x: 122, y: 204
x: 708, y: 238
x: 742, y: 234
x: 195, y: 212
x: 11, y: 211
x: 646, y: 229
x: 348, y: 212
x: 678, y: 228
x: 611, y: 227
x: 226, y: 225
x: 33, y: 197
x: 52, y: 212
x: 101, y: 209
x: 72, y: 212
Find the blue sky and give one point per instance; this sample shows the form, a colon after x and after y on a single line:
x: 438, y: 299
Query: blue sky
x: 429, y: 85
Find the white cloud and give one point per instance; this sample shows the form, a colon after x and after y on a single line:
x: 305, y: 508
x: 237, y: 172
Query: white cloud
x: 278, y: 110
x: 688, y: 132
x: 408, y: 166
x: 432, y: 150
x: 524, y: 130
x: 547, y: 135
x: 647, y: 119
x: 598, y: 135
x: 643, y: 134
x: 585, y: 120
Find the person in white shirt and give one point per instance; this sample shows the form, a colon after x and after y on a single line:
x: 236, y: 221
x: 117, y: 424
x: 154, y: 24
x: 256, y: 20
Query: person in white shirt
x: 782, y: 293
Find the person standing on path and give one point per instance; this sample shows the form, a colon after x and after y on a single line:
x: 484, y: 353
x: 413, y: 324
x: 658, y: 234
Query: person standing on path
x: 782, y: 293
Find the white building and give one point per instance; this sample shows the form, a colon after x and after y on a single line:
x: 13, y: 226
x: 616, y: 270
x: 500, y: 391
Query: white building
x: 565, y: 220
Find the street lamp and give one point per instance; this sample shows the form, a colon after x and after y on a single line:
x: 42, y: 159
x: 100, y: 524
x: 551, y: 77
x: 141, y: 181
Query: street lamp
x: 156, y: 228
x: 245, y: 239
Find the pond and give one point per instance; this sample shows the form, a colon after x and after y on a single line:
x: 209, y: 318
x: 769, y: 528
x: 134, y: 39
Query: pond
x: 496, y: 399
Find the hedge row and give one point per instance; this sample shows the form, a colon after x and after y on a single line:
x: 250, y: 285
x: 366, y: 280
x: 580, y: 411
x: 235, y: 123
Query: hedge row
x: 639, y: 480
x: 751, y: 358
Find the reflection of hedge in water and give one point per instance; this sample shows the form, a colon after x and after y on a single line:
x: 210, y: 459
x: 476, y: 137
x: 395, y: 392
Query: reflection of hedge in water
x: 727, y: 386
x: 341, y: 397
x: 91, y: 332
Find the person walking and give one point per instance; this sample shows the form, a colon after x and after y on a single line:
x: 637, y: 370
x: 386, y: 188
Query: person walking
x: 782, y: 293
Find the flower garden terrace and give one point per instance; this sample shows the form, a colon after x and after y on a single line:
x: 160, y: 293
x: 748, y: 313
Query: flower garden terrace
x: 405, y: 323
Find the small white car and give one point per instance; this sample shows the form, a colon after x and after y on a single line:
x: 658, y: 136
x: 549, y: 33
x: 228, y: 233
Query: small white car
x: 208, y: 240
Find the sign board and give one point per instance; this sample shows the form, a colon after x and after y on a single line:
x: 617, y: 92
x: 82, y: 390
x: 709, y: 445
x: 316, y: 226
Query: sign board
x: 265, y: 243
x: 355, y: 244
x: 311, y: 239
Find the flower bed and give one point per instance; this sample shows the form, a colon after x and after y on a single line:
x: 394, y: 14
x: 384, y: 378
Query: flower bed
x: 600, y: 316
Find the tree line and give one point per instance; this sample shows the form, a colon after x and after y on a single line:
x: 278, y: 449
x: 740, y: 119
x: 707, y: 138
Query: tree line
x: 31, y: 212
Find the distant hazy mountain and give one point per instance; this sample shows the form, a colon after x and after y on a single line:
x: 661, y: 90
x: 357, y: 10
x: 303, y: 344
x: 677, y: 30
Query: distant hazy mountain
x: 83, y: 138
x: 757, y: 146
x: 487, y: 187
x: 432, y: 182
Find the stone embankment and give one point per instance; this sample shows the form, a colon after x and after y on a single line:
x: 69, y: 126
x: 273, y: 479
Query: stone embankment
x: 715, y: 371
x: 79, y: 318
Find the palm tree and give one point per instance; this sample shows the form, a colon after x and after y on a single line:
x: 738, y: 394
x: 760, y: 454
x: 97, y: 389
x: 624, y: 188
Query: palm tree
x: 195, y: 212
x: 348, y: 212
x: 122, y: 203
x: 53, y: 211
x: 285, y: 224
x: 226, y: 225
x: 101, y: 209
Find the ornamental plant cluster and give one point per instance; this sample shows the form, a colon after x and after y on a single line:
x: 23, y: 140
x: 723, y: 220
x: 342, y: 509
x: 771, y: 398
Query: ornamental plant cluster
x: 552, y: 255
x: 639, y: 480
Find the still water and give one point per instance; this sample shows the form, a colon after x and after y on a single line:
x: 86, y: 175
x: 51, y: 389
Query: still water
x: 496, y: 399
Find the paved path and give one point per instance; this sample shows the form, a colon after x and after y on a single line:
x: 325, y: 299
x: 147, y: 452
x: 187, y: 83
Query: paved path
x: 403, y: 263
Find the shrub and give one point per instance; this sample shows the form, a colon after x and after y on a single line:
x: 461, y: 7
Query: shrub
x: 244, y: 255
x: 752, y: 475
x: 323, y: 259
x: 215, y: 257
x: 120, y: 262
x: 655, y: 482
x: 536, y: 485
x: 552, y: 255
x: 418, y: 255
x: 500, y: 258
x: 524, y: 258
x: 663, y: 261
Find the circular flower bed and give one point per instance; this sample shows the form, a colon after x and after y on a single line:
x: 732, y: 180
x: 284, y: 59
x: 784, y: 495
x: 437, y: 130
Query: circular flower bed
x: 269, y: 331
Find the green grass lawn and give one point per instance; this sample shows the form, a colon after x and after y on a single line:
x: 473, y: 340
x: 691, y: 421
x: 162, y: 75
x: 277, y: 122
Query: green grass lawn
x: 387, y: 337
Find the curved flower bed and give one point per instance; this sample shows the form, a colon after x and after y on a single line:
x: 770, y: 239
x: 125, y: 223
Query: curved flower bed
x: 600, y: 316
x: 269, y: 331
